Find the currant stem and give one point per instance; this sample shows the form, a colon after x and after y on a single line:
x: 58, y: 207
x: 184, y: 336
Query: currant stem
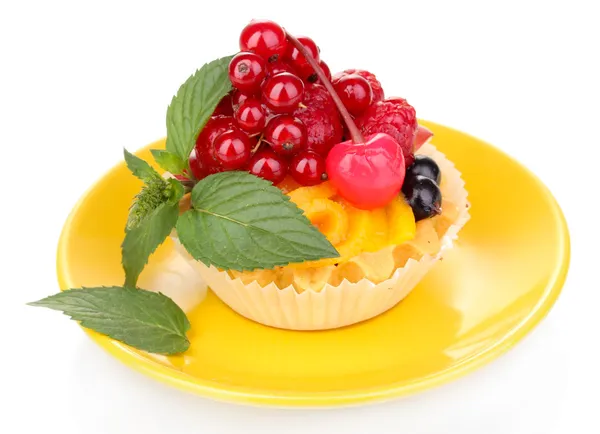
x: 355, y: 133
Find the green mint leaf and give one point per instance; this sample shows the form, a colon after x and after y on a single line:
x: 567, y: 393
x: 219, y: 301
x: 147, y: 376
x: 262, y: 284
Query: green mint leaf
x: 145, y: 320
x: 168, y: 161
x: 140, y: 168
x: 242, y: 222
x: 142, y: 240
x: 193, y: 105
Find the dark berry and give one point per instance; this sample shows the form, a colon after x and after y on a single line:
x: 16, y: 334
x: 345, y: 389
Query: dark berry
x: 247, y: 71
x: 282, y: 92
x: 232, y: 149
x: 294, y: 56
x: 308, y: 168
x: 250, y: 116
x: 286, y: 135
x: 355, y: 92
x: 424, y: 196
x: 265, y: 38
x: 268, y: 165
x: 424, y: 166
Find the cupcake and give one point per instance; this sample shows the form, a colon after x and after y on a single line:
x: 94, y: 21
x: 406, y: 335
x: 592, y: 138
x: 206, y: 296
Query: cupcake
x: 386, y: 199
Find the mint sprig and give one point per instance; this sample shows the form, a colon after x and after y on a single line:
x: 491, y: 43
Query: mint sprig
x: 193, y: 105
x: 169, y: 161
x: 145, y: 320
x: 241, y: 222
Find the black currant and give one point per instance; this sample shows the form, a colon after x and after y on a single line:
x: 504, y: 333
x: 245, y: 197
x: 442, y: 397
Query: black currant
x: 423, y: 196
x: 424, y: 166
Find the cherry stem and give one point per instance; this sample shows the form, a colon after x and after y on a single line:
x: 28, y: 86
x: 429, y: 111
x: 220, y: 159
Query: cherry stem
x: 355, y: 133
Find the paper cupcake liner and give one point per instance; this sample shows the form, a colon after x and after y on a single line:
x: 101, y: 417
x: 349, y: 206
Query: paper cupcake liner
x: 345, y: 304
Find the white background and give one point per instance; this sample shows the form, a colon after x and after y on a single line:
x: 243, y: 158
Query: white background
x: 81, y: 80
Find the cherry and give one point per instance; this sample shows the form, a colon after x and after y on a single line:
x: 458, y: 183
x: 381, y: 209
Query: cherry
x: 423, y: 196
x: 250, y: 116
x: 355, y: 92
x: 232, y: 149
x: 367, y: 175
x: 268, y: 165
x: 247, y: 71
x: 308, y: 168
x: 286, y: 134
x: 294, y: 56
x: 424, y: 166
x: 265, y: 38
x: 282, y: 92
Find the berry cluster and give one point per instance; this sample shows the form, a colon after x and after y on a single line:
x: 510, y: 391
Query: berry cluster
x: 421, y: 187
x: 278, y: 120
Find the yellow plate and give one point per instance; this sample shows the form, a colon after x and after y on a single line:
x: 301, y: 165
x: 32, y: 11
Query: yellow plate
x: 498, y: 282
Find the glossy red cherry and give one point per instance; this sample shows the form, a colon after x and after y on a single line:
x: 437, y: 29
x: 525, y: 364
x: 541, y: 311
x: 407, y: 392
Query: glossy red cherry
x: 282, y: 92
x: 286, y: 134
x: 250, y: 116
x: 355, y: 92
x: 308, y: 168
x: 232, y: 149
x: 368, y: 175
x: 297, y: 59
x: 263, y: 37
x: 268, y: 165
x: 247, y: 71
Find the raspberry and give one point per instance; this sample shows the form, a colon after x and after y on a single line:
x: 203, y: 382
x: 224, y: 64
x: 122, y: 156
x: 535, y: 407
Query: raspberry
x: 395, y: 117
x: 378, y: 94
x: 321, y: 118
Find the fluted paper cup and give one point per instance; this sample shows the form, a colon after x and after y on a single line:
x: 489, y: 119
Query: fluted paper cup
x: 347, y: 303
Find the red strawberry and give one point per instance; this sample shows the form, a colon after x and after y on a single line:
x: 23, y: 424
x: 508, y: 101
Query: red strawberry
x: 378, y: 94
x: 395, y: 117
x: 321, y: 118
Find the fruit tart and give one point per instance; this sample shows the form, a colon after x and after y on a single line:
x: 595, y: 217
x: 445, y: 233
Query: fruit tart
x: 356, y: 163
x: 305, y: 201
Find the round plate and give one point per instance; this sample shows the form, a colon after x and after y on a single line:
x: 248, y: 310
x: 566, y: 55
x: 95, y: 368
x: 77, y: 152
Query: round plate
x: 494, y: 286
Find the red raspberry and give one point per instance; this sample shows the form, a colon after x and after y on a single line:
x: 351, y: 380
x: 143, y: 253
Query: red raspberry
x: 395, y: 117
x: 378, y: 94
x: 321, y: 118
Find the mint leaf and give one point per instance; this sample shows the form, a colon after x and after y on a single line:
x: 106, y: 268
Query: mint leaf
x: 168, y: 161
x: 142, y: 240
x: 193, y: 105
x: 145, y: 320
x: 241, y: 222
x: 140, y: 168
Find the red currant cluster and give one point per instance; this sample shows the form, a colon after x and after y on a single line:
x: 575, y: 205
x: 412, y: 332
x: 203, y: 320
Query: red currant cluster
x: 262, y: 125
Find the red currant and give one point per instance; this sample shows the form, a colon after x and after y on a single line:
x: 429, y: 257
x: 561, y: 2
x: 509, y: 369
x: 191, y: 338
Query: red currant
x: 268, y: 165
x: 247, y: 71
x: 232, y: 149
x: 238, y: 98
x: 308, y: 168
x: 286, y: 135
x: 282, y: 92
x: 204, y: 143
x: 224, y: 107
x: 294, y: 56
x: 199, y: 170
x: 274, y: 68
x: 355, y: 92
x: 263, y: 37
x: 250, y: 116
